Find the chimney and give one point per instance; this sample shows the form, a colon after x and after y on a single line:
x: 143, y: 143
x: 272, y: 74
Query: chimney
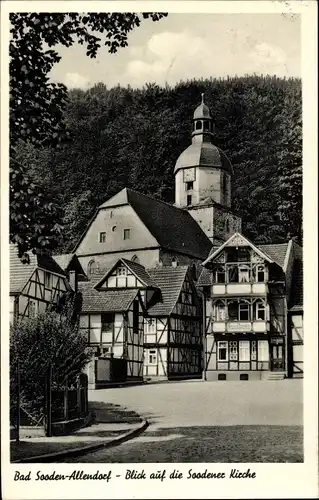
x: 73, y: 280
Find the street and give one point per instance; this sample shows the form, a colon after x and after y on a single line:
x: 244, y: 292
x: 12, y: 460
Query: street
x: 199, y: 421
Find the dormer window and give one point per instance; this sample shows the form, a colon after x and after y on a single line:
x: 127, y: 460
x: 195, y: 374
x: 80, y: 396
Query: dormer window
x: 102, y: 237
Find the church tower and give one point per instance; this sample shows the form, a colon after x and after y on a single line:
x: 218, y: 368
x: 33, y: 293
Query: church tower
x: 203, y: 180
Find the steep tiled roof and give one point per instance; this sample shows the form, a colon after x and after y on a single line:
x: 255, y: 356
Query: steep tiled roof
x: 296, y: 298
x: 204, y: 278
x: 173, y: 228
x: 105, y: 301
x: 276, y: 252
x: 170, y: 281
x: 141, y: 273
x: 20, y: 273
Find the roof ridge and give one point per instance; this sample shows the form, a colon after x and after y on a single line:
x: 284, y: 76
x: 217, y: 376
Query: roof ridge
x: 156, y: 199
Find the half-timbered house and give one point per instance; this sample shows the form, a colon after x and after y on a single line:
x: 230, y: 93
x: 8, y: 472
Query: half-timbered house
x: 34, y: 285
x: 247, y: 289
x: 172, y: 327
x: 112, y: 313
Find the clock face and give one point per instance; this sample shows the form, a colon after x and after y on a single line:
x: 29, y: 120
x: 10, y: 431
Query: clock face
x: 189, y: 174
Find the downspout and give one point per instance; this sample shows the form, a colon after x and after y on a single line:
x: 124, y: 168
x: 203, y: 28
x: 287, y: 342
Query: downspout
x: 204, y: 337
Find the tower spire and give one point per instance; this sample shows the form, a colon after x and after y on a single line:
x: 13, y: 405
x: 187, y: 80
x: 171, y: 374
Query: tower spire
x: 203, y: 97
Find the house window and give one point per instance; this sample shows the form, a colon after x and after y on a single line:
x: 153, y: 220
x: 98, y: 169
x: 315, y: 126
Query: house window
x: 47, y: 280
x: 189, y: 185
x: 152, y: 357
x: 243, y: 274
x: 263, y: 350
x: 222, y: 351
x: 220, y: 275
x: 243, y: 310
x: 107, y: 320
x: 206, y: 125
x: 254, y: 350
x: 233, y: 311
x: 102, y: 237
x: 260, y: 274
x: 260, y: 311
x: 150, y: 325
x: 233, y: 351
x: 33, y: 306
x: 220, y: 312
x: 244, y: 354
x: 189, y: 200
x: 121, y: 271
x: 227, y: 226
x: 127, y: 234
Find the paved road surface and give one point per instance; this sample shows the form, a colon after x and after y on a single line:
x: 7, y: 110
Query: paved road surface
x: 198, y: 421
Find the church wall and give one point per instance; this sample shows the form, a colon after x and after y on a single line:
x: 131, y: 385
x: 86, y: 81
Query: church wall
x: 148, y: 258
x: 113, y: 221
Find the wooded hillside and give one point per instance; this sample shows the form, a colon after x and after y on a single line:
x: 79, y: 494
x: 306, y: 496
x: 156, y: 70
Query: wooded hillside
x: 123, y: 137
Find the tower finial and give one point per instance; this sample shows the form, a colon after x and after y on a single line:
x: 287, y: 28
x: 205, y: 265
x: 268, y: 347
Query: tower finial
x: 202, y: 97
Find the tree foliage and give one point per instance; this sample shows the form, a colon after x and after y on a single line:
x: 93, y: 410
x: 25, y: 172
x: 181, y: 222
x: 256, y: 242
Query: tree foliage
x: 37, y: 106
x: 48, y: 338
x: 124, y: 137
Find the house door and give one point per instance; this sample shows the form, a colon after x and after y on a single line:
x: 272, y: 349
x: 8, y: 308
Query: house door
x: 277, y: 356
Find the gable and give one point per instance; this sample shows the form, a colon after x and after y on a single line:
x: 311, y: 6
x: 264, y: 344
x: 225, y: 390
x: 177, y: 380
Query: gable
x: 113, y: 222
x: 236, y: 240
x: 20, y: 273
x: 119, y: 198
x: 126, y: 274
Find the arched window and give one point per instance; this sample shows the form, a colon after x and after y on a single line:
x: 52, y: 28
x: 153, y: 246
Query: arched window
x: 174, y: 262
x: 93, y: 267
x: 198, y: 125
x: 135, y: 259
x: 206, y: 125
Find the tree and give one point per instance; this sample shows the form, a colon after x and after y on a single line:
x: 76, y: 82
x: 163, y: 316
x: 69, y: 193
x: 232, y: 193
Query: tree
x: 37, y: 105
x: 35, y: 342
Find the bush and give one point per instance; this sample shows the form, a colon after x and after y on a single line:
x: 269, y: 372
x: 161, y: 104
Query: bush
x: 37, y: 342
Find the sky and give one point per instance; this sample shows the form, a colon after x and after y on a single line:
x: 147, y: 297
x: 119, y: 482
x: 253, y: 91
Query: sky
x: 187, y: 46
